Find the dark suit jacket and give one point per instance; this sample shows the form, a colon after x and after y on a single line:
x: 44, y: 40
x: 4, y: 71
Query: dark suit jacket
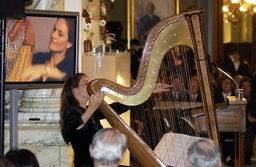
x: 183, y: 96
x: 228, y: 66
x: 198, y: 98
x: 251, y: 105
x: 218, y: 97
x: 135, y: 63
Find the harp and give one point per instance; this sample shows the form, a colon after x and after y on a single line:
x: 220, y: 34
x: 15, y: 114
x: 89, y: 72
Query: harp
x: 19, y: 48
x: 185, y: 29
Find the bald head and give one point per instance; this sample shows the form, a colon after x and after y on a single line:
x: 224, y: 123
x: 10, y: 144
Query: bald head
x: 203, y: 153
x: 108, y: 147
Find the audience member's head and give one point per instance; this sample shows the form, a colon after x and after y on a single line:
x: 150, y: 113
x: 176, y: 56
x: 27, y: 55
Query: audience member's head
x: 22, y: 158
x: 194, y: 85
x: 5, y: 162
x: 226, y: 85
x: 135, y: 44
x: 203, y: 153
x: 238, y: 79
x: 246, y: 85
x: 108, y: 147
x: 177, y: 82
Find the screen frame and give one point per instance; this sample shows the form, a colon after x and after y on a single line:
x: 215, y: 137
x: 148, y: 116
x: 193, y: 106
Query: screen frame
x: 52, y: 84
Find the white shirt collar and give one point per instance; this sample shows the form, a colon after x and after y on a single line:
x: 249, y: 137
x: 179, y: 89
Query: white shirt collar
x: 225, y: 95
x: 236, y: 63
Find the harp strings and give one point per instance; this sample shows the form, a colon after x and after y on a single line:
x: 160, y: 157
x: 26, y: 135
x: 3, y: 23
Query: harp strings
x: 180, y: 65
x: 152, y: 123
x: 180, y: 73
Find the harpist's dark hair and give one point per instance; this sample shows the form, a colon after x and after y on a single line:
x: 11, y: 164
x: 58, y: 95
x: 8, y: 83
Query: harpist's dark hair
x: 67, y: 97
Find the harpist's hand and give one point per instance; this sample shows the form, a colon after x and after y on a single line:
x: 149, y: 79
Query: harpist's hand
x: 95, y: 100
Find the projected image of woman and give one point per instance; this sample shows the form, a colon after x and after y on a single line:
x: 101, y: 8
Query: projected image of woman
x: 56, y: 65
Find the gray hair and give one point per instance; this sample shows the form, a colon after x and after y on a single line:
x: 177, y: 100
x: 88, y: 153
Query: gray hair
x: 108, y: 146
x: 203, y: 153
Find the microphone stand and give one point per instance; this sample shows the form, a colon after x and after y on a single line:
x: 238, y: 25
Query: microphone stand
x: 238, y: 92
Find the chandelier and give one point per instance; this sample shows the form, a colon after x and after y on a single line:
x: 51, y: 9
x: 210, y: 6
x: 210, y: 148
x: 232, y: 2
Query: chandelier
x: 234, y: 10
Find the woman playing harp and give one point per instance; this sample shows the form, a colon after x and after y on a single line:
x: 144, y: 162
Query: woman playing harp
x: 184, y: 29
x: 79, y: 121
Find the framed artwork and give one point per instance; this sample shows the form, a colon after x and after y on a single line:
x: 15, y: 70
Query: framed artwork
x: 163, y: 9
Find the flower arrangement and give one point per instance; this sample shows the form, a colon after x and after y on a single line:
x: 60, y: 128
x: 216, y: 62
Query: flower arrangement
x: 88, y: 28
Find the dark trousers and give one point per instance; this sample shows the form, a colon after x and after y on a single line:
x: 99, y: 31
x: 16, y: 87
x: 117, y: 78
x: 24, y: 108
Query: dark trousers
x: 228, y: 144
x: 249, y: 139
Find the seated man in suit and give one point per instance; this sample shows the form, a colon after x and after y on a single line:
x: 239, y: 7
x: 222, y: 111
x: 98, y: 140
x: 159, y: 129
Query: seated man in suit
x: 226, y: 90
x: 227, y: 138
x: 195, y: 90
x: 246, y: 85
x: 177, y: 94
x: 177, y: 91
